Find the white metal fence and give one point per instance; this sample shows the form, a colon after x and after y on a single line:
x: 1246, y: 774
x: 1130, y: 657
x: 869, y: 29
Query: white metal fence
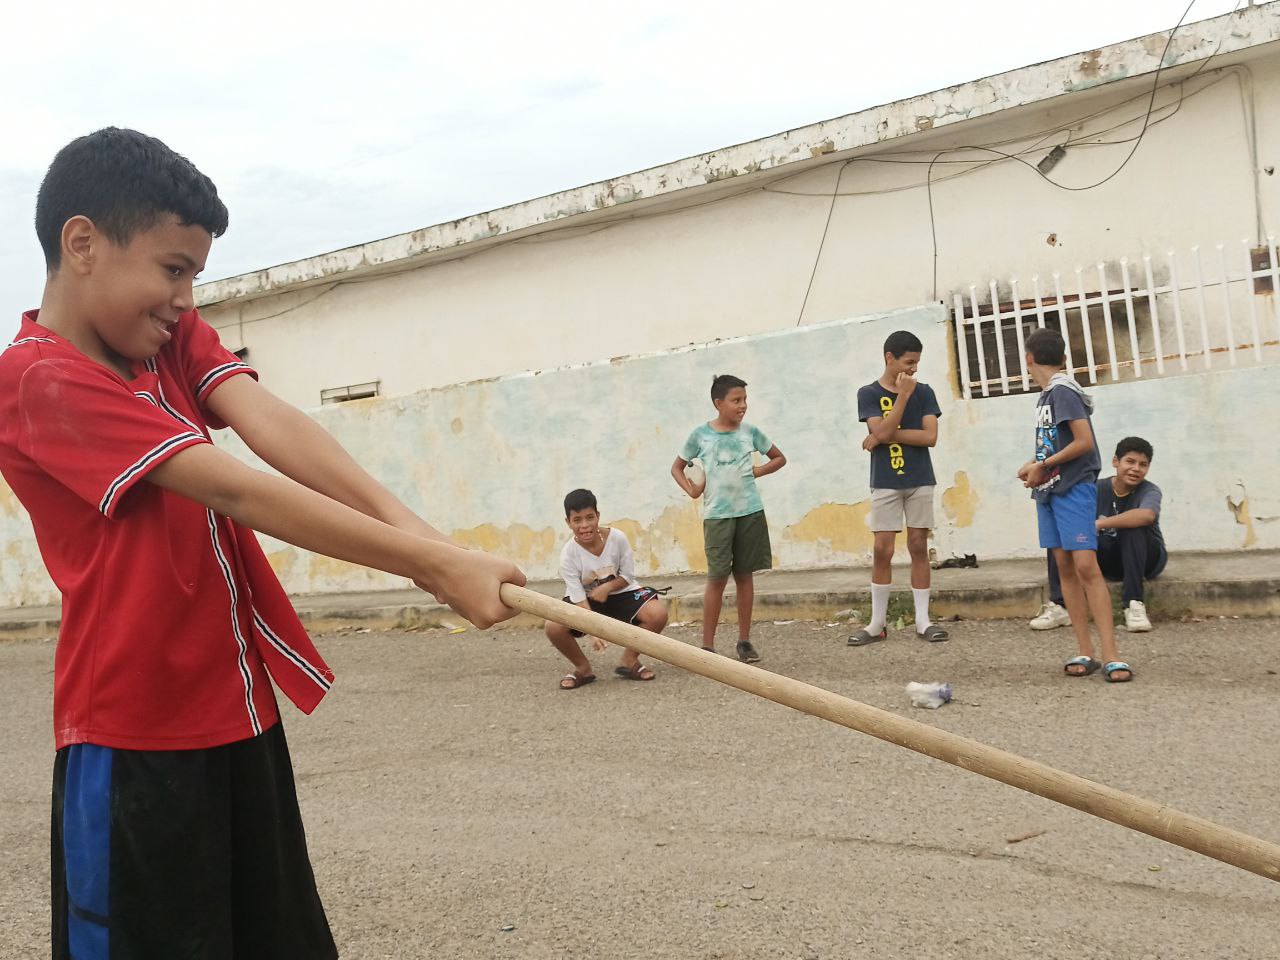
x: 1155, y: 316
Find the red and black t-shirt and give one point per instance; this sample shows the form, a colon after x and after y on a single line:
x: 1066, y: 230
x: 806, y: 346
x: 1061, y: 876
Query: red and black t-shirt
x: 171, y: 614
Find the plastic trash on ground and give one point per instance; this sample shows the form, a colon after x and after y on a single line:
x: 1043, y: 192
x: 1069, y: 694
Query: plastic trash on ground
x: 930, y: 696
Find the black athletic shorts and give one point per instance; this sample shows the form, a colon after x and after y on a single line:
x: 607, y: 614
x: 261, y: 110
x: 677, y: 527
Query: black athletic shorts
x: 620, y: 606
x: 192, y: 854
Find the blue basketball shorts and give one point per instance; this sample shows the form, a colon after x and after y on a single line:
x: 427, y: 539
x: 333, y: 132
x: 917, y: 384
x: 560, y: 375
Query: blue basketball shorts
x: 198, y: 854
x: 1067, y: 520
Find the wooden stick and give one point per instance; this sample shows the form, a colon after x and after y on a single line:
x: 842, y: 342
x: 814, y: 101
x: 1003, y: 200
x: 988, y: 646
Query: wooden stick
x: 1146, y: 816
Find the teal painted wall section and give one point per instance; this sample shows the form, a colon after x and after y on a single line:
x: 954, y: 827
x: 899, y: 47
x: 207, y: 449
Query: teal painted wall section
x: 489, y: 462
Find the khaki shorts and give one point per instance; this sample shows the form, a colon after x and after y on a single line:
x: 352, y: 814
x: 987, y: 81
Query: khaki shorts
x: 889, y: 508
x: 737, y: 545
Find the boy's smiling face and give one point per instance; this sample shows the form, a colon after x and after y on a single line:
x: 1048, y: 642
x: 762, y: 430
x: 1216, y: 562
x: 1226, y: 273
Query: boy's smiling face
x: 1131, y: 468
x: 585, y: 525
x: 132, y: 295
x: 732, y: 408
x: 908, y: 363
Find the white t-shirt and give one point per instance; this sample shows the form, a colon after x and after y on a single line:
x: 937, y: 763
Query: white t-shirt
x: 582, y: 570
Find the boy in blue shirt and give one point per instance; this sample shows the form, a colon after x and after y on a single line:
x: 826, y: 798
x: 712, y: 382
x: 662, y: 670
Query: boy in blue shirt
x: 1062, y: 479
x: 733, y: 523
x: 902, y: 424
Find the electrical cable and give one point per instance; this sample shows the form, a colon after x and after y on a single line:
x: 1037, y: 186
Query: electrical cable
x: 823, y: 241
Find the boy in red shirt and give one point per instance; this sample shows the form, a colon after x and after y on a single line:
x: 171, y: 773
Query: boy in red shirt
x: 175, y: 822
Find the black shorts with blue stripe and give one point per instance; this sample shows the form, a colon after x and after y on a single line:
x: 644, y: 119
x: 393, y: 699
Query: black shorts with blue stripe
x: 624, y: 606
x: 198, y: 854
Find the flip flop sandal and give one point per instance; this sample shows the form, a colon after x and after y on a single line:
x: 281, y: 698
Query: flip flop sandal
x: 933, y: 633
x: 1090, y: 666
x: 862, y: 638
x: 634, y: 673
x: 571, y: 681
x: 1114, y: 667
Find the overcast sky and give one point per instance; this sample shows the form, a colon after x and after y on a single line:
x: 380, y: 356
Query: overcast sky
x: 330, y: 125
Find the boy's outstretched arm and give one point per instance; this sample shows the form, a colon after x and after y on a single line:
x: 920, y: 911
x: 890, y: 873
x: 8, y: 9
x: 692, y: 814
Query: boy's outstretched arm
x: 301, y: 449
x: 775, y: 463
x: 1032, y: 472
x: 466, y: 580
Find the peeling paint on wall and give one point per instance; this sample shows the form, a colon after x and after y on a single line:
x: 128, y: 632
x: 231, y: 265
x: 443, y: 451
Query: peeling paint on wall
x: 960, y: 502
x: 9, y: 505
x: 1238, y: 504
x: 677, y: 526
x: 516, y: 540
x: 840, y: 527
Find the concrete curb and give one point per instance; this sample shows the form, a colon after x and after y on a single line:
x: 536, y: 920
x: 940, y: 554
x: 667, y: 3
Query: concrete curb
x: 1245, y: 584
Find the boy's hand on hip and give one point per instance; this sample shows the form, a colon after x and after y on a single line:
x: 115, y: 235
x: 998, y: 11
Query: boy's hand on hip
x: 470, y: 583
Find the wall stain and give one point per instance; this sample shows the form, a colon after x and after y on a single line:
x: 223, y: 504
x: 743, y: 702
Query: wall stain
x: 321, y: 568
x: 282, y: 560
x: 961, y: 501
x: 841, y: 526
x: 1239, y: 507
x: 9, y: 505
x: 679, y: 526
x: 1090, y: 66
x: 520, y: 543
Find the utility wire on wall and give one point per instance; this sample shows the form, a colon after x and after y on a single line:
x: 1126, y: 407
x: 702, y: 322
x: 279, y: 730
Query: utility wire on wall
x: 1000, y: 156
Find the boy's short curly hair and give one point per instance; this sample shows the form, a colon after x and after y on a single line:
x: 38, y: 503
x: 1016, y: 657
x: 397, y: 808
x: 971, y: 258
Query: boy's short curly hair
x: 722, y: 383
x: 125, y: 182
x: 1047, y: 347
x: 902, y: 341
x: 580, y: 500
x: 1134, y: 445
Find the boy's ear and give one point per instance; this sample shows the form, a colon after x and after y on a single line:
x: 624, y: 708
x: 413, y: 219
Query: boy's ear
x: 80, y: 240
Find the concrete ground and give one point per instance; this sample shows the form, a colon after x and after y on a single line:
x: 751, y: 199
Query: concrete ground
x: 460, y: 805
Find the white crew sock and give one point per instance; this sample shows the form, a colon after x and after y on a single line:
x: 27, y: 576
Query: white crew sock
x: 879, y: 606
x: 922, y: 608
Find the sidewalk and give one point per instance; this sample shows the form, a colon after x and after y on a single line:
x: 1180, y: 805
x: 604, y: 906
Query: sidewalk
x: 1245, y: 584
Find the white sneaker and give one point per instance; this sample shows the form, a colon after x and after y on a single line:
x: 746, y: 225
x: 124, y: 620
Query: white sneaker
x: 1135, y: 617
x: 1052, y: 615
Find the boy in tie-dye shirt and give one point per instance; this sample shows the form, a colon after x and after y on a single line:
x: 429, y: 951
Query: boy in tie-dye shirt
x: 734, y: 529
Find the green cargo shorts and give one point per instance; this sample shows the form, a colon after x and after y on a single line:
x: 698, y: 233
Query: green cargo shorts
x: 737, y: 545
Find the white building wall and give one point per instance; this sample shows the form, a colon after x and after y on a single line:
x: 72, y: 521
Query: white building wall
x: 738, y: 259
